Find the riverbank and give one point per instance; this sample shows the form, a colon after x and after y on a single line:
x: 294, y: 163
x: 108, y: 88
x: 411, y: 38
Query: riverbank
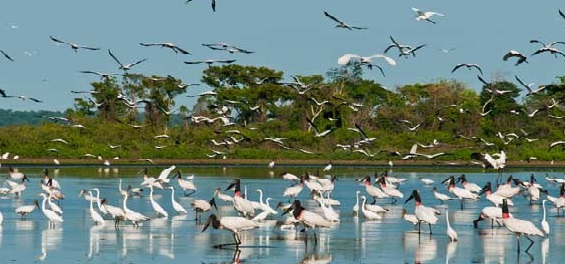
x: 279, y: 163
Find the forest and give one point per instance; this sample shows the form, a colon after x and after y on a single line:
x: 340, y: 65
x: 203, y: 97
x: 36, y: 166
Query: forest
x: 254, y: 113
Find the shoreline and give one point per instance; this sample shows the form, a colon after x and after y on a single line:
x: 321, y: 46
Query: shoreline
x: 282, y: 162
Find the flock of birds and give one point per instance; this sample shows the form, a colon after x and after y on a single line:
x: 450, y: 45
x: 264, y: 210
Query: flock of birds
x: 250, y: 214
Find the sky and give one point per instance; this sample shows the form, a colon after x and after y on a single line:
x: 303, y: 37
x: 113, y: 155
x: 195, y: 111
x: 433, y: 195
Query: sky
x: 292, y: 36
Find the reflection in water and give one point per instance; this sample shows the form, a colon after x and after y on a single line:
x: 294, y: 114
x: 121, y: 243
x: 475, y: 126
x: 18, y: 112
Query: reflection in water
x: 450, y: 251
x: 51, y: 238
x: 544, y: 250
x: 94, y: 241
x: 496, y: 242
x: 424, y: 247
x: 317, y: 256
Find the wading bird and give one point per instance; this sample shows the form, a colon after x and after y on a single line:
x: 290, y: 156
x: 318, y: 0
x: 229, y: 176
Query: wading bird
x: 423, y: 213
x: 234, y: 224
x: 519, y: 227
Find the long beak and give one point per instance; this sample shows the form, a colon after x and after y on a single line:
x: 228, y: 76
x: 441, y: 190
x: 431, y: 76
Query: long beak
x: 288, y: 209
x: 409, y: 198
x: 207, y: 224
x: 25, y: 178
x: 483, y: 190
x: 231, y: 186
x: 213, y: 202
x: 444, y: 181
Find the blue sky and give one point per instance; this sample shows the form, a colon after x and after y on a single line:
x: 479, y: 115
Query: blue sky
x: 293, y: 36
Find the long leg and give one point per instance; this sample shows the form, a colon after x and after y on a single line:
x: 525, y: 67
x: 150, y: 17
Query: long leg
x: 392, y: 200
x: 518, y: 239
x: 374, y: 200
x: 430, y: 225
x: 461, y: 203
x: 531, y: 244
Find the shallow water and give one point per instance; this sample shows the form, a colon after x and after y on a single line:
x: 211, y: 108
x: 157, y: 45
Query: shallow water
x: 178, y: 239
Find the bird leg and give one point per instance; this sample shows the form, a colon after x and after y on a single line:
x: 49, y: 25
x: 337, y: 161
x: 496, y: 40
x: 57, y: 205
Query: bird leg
x: 392, y: 200
x: 531, y: 244
x: 461, y: 203
x: 518, y: 239
x: 430, y: 225
x: 374, y: 200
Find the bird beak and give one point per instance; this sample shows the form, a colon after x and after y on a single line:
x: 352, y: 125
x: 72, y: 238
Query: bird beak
x: 409, y: 198
x: 444, y: 181
x: 207, y: 224
x: 213, y: 202
x: 25, y: 178
x: 231, y: 186
x: 288, y: 209
x: 483, y: 190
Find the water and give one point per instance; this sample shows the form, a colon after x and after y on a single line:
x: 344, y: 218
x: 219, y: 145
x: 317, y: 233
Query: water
x: 179, y: 239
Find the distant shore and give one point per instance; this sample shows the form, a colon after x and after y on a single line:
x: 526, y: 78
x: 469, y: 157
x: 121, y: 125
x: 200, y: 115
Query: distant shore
x: 286, y: 162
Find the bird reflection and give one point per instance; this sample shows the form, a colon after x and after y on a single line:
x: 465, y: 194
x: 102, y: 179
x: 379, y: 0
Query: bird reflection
x: 94, y: 241
x: 450, y: 251
x: 495, y: 243
x: 316, y: 257
x: 50, y: 239
x: 544, y: 250
x: 425, y: 250
x: 236, y: 258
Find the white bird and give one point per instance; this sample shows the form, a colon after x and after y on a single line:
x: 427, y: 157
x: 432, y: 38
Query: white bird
x: 156, y: 206
x: 201, y: 206
x: 294, y: 191
x: 271, y: 164
x: 73, y: 46
x: 16, y: 175
x: 440, y: 196
x: 328, y: 167
x: 519, y: 227
x: 495, y: 198
x: 133, y: 216
x: 426, y: 181
x: 53, y: 206
x: 99, y: 202
x: 346, y: 58
x: 356, y: 206
x: 240, y: 204
x: 124, y: 67
x: 164, y: 175
x: 372, y: 190
x: 529, y: 86
x: 234, y: 224
x: 460, y: 192
x: 544, y: 223
x: 265, y: 206
x: 307, y: 218
x: 169, y: 45
x: 116, y: 212
x: 316, y: 131
x: 472, y: 187
x: 96, y: 217
x: 423, y: 213
x: 392, y: 192
x: 177, y: 206
x: 368, y: 214
x: 421, y: 15
x: 51, y: 215
x: 122, y: 191
x: 450, y: 231
x: 24, y: 210
x: 86, y: 195
x: 409, y: 217
x: 186, y: 185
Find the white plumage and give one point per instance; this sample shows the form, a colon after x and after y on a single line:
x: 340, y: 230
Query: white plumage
x: 177, y: 206
x: 96, y: 217
x: 368, y: 214
x: 519, y: 227
x: 133, y: 216
x: 343, y: 60
x: 156, y: 206
x: 544, y: 223
x: 51, y: 215
x: 234, y: 224
x: 450, y: 231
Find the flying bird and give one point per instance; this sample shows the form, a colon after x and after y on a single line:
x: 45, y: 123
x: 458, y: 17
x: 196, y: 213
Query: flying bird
x: 125, y: 67
x: 396, y: 44
x: 169, y: 45
x: 529, y: 86
x: 316, y: 131
x: 227, y: 47
x: 343, y: 60
x: 409, y: 51
x: 341, y: 24
x: 102, y: 75
x: 561, y: 14
x: 73, y: 46
x: 549, y: 47
x: 213, y: 4
x: 468, y: 65
x: 6, y: 55
x: 210, y: 62
x: 421, y: 15
x: 521, y: 57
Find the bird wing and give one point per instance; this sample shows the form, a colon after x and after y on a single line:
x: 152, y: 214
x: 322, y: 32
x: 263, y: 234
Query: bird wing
x: 482, y: 80
x: 89, y: 48
x: 3, y: 93
x: 378, y: 67
x: 138, y: 62
x: 35, y: 100
x: 180, y: 50
x: 430, y: 13
x: 561, y: 14
x: 537, y: 41
x: 58, y: 40
x: 165, y: 173
x: 345, y: 58
x: 387, y: 59
x: 477, y: 67
x: 225, y: 61
x: 457, y: 67
x: 114, y: 57
x: 332, y: 17
x: 355, y: 27
x: 418, y: 11
x: 149, y: 44
x: 6, y: 55
x: 522, y: 83
x: 213, y: 5
x: 193, y: 62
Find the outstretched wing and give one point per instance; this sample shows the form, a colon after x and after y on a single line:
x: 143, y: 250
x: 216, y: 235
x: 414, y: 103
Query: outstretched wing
x: 332, y: 17
x: 58, y: 40
x: 343, y: 60
x: 114, y: 57
x: 6, y: 55
x: 386, y: 58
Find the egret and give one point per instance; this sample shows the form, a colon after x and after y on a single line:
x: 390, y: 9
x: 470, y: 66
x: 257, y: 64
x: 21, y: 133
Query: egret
x: 328, y: 167
x: 99, y: 202
x: 177, y: 206
x: 234, y: 224
x: 124, y: 67
x: 51, y: 215
x: 133, y: 216
x: 169, y: 45
x: 519, y: 227
x: 156, y: 206
x: 368, y: 214
x: 96, y: 217
x: 421, y: 15
x: 450, y: 232
x: 440, y: 196
x: 544, y: 223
